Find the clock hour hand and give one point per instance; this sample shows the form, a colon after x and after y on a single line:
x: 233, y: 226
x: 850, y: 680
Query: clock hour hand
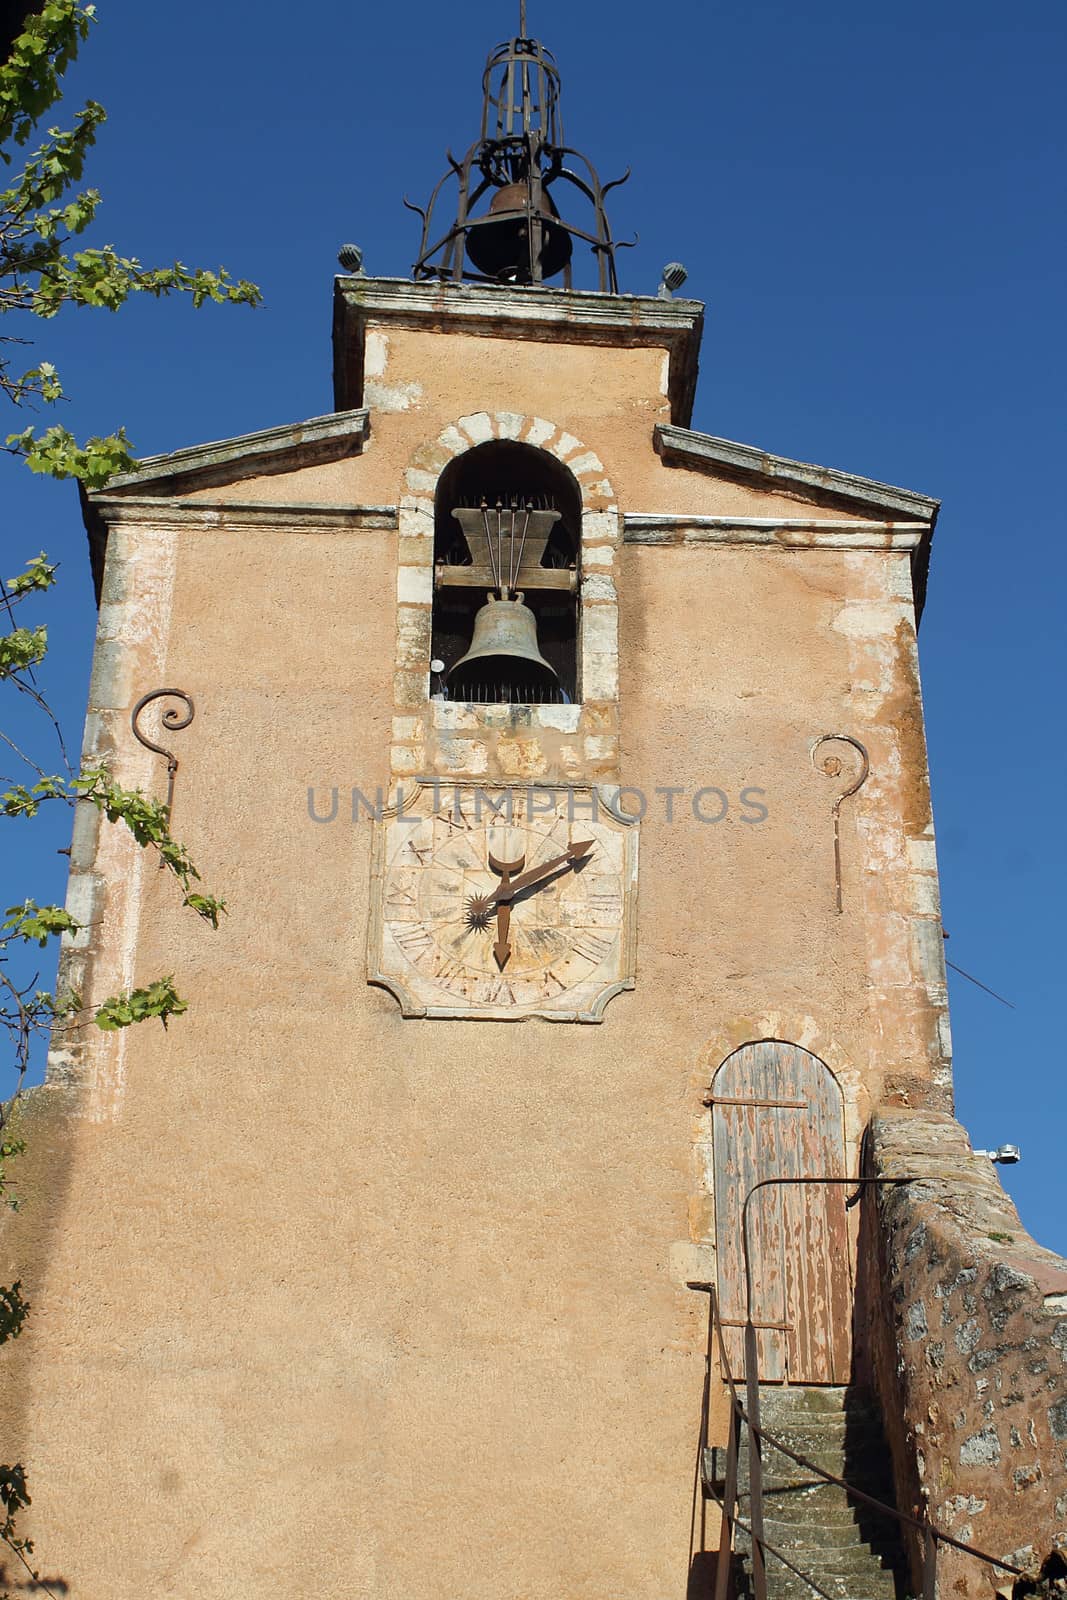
x: 510, y: 886
x: 502, y: 947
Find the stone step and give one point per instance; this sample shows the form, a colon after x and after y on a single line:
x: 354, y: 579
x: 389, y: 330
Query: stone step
x: 849, y: 1550
x: 783, y: 1477
x: 785, y: 1586
x: 850, y: 1577
x: 813, y: 1401
x: 815, y: 1535
x: 823, y: 1514
x: 781, y: 1473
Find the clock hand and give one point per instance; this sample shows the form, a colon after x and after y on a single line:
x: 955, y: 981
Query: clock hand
x: 509, y: 886
x: 502, y: 947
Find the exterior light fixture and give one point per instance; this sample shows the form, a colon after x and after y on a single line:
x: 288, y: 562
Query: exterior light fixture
x: 1006, y: 1154
x: 674, y: 275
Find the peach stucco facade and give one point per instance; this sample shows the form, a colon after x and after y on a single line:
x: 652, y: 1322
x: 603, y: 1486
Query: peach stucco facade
x: 332, y: 1301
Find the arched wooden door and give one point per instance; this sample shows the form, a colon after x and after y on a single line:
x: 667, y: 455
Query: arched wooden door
x: 777, y: 1113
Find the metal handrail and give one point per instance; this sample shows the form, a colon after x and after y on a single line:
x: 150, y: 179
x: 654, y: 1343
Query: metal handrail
x: 931, y: 1534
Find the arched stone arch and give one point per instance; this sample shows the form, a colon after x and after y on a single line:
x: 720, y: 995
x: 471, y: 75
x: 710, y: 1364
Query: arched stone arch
x: 430, y: 459
x: 778, y: 1114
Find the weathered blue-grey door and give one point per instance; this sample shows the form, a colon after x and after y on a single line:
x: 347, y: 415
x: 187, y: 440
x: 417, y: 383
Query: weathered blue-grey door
x: 777, y: 1113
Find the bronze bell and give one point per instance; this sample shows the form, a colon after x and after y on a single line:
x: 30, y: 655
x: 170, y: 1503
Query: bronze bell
x: 504, y: 657
x: 501, y: 248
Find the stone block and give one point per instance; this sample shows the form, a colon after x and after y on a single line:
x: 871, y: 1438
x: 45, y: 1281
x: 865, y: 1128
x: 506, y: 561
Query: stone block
x: 466, y: 757
x: 922, y: 855
x: 414, y: 585
x: 600, y: 676
x: 407, y: 760
x: 452, y: 715
x: 453, y: 441
x: 565, y: 446
x: 478, y: 427
x: 981, y: 1449
x: 522, y: 758
x: 928, y: 949
x: 564, y: 719
x: 600, y: 629
x: 539, y: 431
x: 923, y: 894
x: 410, y: 687
x: 413, y: 639
x: 600, y: 527
x: 598, y: 586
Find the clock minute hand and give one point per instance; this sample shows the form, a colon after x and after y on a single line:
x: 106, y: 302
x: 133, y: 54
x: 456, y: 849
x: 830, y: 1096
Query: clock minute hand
x: 507, y: 890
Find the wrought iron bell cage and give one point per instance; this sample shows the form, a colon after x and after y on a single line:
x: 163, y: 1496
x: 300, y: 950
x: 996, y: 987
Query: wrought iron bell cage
x: 520, y: 237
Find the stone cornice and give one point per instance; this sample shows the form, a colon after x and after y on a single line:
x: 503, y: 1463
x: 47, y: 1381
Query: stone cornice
x: 565, y: 316
x: 103, y: 510
x: 784, y: 533
x: 281, y: 449
x: 684, y: 447
x: 150, y: 511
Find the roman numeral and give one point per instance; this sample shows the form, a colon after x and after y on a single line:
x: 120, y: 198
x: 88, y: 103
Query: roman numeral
x: 414, y: 941
x: 592, y: 948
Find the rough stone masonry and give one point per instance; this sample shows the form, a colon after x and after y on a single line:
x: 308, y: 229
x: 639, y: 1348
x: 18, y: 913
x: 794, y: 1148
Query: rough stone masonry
x: 975, y: 1388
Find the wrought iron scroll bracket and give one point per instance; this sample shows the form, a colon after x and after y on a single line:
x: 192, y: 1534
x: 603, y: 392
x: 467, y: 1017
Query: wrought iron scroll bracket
x: 832, y: 768
x: 173, y: 720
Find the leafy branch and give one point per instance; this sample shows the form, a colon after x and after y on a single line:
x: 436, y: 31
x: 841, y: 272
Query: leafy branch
x: 46, y: 264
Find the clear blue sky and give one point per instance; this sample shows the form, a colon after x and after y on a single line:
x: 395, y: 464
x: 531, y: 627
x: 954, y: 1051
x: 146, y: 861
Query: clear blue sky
x: 870, y: 200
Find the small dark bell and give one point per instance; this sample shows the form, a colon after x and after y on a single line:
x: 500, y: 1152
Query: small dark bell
x: 500, y: 248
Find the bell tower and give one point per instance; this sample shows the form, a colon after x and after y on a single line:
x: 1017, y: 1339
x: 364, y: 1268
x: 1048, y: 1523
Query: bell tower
x: 563, y: 768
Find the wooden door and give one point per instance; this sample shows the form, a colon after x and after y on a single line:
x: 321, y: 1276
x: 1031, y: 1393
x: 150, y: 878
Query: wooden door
x: 777, y: 1113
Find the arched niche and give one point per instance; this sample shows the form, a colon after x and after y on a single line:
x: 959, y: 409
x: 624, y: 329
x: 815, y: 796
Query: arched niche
x: 505, y: 479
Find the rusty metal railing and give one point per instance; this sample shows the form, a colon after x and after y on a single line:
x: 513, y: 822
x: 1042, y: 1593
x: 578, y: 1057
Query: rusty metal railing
x: 747, y: 1415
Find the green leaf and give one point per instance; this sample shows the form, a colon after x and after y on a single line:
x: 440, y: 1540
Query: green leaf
x: 57, y: 453
x: 206, y: 906
x: 30, y: 78
x: 33, y: 922
x: 21, y: 649
x: 159, y: 999
x: 22, y: 802
x: 40, y: 573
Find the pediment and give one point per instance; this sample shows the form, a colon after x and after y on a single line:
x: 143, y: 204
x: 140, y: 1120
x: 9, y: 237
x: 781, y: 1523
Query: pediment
x: 800, y: 480
x: 250, y: 455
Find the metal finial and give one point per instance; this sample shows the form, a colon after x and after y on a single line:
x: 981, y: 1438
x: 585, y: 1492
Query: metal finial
x: 512, y: 223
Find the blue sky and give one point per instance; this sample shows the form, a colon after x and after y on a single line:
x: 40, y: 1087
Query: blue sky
x: 870, y: 201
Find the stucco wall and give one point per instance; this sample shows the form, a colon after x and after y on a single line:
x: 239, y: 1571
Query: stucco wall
x: 353, y: 1304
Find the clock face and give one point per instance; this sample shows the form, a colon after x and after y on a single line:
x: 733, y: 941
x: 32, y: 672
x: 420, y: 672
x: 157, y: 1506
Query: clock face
x: 504, y: 904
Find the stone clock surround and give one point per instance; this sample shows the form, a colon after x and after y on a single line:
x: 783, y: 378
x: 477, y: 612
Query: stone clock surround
x: 507, y: 744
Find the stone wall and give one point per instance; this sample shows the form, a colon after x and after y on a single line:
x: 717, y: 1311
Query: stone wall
x: 966, y: 1318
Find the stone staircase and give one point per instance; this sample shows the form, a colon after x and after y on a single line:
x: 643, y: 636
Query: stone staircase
x: 850, y: 1551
